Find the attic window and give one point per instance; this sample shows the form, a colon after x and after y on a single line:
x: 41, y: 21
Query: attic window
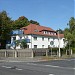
x: 35, y: 30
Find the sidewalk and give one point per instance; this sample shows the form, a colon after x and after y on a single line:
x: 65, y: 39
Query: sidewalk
x: 34, y: 59
x: 10, y: 59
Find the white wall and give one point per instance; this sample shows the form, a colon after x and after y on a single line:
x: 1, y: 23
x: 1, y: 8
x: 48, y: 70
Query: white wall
x: 46, y: 42
x: 39, y: 41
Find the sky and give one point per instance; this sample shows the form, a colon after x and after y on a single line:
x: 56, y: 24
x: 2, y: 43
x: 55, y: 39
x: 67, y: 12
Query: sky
x: 50, y: 13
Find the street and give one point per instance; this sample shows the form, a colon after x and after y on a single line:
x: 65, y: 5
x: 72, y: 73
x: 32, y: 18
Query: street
x: 54, y: 67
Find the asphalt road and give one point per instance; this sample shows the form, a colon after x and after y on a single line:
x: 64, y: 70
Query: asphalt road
x: 55, y: 67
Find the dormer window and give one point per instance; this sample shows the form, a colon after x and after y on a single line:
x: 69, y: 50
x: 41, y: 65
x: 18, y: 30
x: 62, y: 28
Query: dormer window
x: 54, y: 33
x: 35, y: 30
x: 44, y: 32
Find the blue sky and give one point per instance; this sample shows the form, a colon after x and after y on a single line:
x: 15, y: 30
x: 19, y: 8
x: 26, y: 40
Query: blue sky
x: 50, y: 13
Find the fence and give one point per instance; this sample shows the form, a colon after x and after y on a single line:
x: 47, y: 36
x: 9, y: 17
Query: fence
x: 16, y: 53
x: 23, y: 53
x: 27, y: 52
x: 41, y: 52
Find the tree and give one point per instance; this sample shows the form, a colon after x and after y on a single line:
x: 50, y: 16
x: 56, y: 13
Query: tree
x: 20, y: 22
x: 69, y: 33
x: 5, y: 26
x: 72, y: 24
x: 34, y: 22
x: 21, y: 42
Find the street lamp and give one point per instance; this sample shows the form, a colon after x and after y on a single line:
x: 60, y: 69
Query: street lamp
x: 59, y: 44
x: 51, y: 43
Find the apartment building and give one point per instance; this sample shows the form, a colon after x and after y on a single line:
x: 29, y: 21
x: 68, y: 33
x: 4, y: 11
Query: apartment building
x: 38, y: 37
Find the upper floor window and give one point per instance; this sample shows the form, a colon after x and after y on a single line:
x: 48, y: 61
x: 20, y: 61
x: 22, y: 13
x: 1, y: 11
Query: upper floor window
x: 36, y: 30
x: 35, y: 38
x: 42, y: 38
x: 48, y: 39
x: 49, y: 32
x: 44, y: 32
x: 14, y: 38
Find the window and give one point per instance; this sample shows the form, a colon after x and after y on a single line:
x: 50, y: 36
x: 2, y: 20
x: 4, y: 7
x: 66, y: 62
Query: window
x: 14, y: 38
x: 48, y: 46
x: 54, y: 33
x: 35, y: 38
x: 42, y: 38
x: 44, y: 32
x: 20, y: 37
x: 27, y: 46
x: 35, y: 46
x: 26, y: 36
x: 35, y: 30
x: 48, y: 39
x: 42, y: 46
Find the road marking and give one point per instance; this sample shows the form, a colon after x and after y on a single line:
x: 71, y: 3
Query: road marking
x: 32, y: 64
x: 11, y: 68
x: 6, y: 66
x: 50, y: 66
x: 18, y: 69
x: 59, y: 67
x: 50, y: 74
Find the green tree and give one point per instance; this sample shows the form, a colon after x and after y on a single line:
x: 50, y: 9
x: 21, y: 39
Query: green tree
x: 20, y: 22
x: 5, y: 26
x: 69, y: 33
x: 22, y: 43
x: 34, y: 22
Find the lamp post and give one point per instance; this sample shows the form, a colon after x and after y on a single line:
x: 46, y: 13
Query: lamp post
x: 51, y: 43
x: 59, y: 54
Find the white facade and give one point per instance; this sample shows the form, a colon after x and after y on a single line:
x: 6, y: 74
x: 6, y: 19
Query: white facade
x: 39, y: 41
x: 40, y: 37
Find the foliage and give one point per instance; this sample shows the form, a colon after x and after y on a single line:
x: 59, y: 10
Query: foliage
x: 22, y: 43
x: 34, y: 22
x: 20, y: 22
x: 5, y: 26
x: 69, y: 33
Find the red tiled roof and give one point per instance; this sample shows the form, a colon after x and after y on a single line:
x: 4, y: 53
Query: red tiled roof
x: 38, y: 30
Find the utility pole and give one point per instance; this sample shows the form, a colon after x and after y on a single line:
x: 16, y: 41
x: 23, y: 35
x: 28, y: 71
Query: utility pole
x: 59, y: 44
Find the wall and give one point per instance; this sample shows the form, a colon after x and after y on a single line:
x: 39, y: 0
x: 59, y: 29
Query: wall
x: 39, y: 42
x: 46, y: 42
x: 16, y: 53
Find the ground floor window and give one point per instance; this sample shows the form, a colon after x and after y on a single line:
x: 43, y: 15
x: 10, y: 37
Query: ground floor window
x: 27, y: 46
x: 35, y: 46
x: 48, y: 46
x: 42, y: 46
